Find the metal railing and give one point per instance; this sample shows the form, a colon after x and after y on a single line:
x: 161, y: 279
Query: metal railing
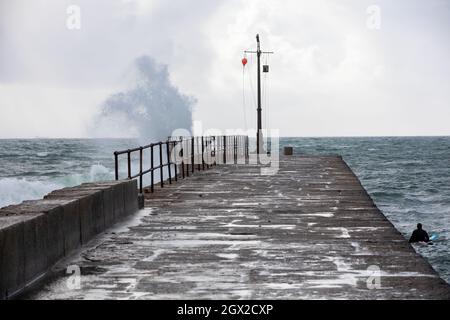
x: 184, y: 155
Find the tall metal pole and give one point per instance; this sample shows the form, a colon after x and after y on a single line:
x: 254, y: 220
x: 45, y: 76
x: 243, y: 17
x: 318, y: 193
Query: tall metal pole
x: 259, y: 137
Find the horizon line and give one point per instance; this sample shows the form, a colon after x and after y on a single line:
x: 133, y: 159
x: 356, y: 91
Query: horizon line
x: 287, y: 136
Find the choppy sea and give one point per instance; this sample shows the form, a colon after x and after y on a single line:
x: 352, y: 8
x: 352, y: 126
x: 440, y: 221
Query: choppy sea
x: 408, y: 177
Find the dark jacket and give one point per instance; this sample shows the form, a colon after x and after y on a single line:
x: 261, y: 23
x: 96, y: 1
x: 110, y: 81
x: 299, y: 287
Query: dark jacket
x: 419, y: 235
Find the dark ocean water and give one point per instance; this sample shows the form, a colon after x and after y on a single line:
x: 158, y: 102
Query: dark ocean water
x: 408, y: 177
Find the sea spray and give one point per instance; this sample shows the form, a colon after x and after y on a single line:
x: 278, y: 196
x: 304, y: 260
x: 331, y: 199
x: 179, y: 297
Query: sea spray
x: 150, y: 107
x: 15, y: 190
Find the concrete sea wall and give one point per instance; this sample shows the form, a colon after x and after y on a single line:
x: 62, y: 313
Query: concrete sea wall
x: 35, y: 234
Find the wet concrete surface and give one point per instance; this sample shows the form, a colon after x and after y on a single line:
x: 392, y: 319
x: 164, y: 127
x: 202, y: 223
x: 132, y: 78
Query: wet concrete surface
x: 308, y: 232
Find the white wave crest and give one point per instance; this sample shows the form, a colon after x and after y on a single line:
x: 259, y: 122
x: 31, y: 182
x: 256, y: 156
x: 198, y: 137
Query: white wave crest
x: 13, y: 190
x: 16, y: 190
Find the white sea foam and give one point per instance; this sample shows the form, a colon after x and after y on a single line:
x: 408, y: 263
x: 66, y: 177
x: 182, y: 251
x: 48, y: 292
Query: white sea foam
x: 16, y: 190
x: 42, y: 154
x: 13, y: 190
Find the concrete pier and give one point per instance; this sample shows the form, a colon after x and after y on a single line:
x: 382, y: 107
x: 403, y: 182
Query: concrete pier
x: 308, y: 232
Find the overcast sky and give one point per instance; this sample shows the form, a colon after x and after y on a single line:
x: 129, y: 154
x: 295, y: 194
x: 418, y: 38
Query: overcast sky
x: 337, y: 70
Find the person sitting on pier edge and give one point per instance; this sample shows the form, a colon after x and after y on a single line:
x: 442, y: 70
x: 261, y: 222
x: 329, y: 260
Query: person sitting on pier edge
x: 419, y: 235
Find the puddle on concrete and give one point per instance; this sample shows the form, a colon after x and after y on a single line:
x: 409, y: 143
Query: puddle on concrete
x: 130, y: 222
x: 344, y: 232
x: 155, y: 255
x: 233, y: 224
x: 319, y: 214
x: 230, y: 256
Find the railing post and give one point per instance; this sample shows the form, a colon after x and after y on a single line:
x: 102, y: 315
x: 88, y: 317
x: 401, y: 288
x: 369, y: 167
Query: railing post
x: 234, y: 149
x: 237, y: 148
x: 218, y: 148
x: 152, y: 167
x: 208, y: 155
x: 217, y: 153
x: 204, y: 153
x: 140, y: 170
x: 199, y: 165
x: 203, y: 159
x: 215, y: 150
x: 246, y: 146
x: 168, y: 161
x: 182, y: 158
x: 161, y: 173
x: 225, y: 149
x: 175, y: 164
x: 129, y: 163
x: 116, y: 165
x: 207, y: 145
x: 192, y: 154
x: 230, y: 148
